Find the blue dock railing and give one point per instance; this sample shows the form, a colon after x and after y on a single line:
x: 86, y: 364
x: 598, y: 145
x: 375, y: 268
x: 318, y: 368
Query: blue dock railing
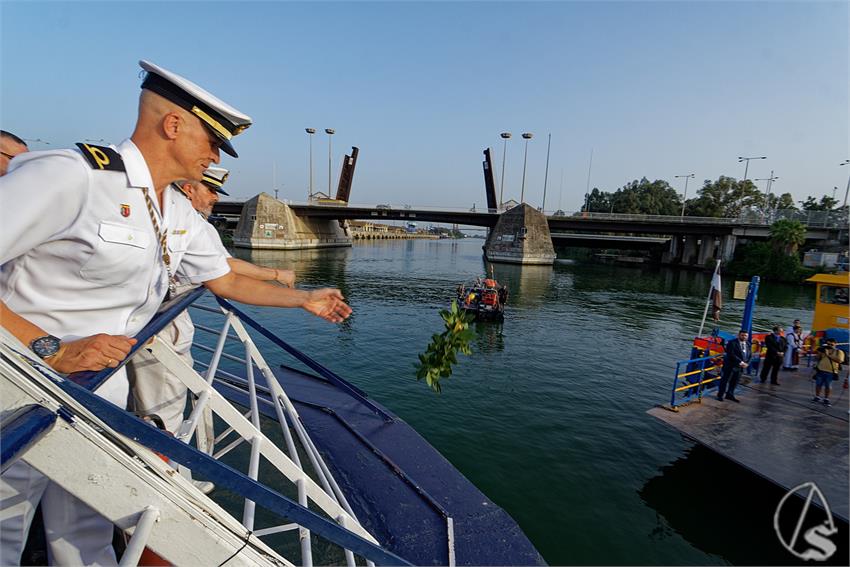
x: 693, y: 376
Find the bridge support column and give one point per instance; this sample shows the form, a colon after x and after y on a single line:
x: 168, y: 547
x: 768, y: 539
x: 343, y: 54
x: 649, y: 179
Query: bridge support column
x: 521, y: 236
x: 707, y: 248
x: 727, y: 247
x: 673, y: 252
x: 268, y: 224
x: 689, y: 249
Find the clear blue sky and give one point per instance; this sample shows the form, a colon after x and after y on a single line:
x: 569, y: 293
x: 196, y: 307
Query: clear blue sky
x: 655, y: 89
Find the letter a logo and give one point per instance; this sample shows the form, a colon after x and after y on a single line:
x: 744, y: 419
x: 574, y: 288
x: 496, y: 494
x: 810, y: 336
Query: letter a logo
x: 816, y: 535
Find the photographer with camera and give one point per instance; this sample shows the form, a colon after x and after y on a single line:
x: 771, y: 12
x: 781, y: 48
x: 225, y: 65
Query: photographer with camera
x: 826, y: 370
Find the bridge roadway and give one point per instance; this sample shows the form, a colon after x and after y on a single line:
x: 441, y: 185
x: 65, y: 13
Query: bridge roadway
x: 587, y: 222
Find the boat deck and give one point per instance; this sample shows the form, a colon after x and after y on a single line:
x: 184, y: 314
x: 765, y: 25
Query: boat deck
x: 776, y: 432
x: 368, y: 454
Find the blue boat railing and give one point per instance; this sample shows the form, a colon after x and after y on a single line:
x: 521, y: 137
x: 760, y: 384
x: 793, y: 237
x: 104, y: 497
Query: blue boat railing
x: 342, y: 529
x: 693, y: 377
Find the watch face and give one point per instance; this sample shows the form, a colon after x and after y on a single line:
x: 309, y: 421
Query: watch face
x: 45, y: 346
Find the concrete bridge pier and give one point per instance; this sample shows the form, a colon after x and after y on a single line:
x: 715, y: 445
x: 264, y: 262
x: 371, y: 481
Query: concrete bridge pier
x: 268, y: 224
x: 727, y: 247
x: 521, y: 236
x: 689, y: 249
x: 707, y: 247
x: 674, y: 251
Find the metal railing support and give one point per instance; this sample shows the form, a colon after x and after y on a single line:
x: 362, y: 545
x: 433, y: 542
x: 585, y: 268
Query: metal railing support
x: 139, y: 540
x: 253, y: 471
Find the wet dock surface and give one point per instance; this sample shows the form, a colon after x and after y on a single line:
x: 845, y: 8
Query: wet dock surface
x: 777, y: 432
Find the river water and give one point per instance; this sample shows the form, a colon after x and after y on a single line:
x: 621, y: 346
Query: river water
x: 547, y: 416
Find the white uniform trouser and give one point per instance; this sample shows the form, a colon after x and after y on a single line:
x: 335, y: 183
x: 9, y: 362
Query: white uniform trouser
x: 155, y: 389
x: 76, y: 534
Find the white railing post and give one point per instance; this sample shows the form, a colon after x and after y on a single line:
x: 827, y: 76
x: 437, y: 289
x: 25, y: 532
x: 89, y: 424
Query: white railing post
x: 139, y: 540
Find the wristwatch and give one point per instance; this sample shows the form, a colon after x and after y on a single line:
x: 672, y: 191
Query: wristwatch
x: 45, y: 346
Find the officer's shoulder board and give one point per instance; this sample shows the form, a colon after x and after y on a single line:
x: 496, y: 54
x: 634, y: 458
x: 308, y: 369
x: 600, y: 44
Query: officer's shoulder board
x: 102, y: 157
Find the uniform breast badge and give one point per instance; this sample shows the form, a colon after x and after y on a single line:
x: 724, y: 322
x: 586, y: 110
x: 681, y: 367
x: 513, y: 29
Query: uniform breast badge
x: 125, y: 210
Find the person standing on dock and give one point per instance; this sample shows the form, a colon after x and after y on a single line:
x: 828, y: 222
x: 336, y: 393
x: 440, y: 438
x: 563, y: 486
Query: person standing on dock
x: 794, y: 340
x: 776, y: 345
x: 830, y: 359
x: 737, y: 358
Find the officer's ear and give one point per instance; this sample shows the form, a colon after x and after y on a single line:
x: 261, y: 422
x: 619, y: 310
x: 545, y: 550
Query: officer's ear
x: 172, y: 123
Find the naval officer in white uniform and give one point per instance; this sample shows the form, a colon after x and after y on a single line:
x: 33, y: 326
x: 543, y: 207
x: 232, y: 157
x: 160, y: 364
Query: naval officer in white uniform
x: 156, y: 391
x: 89, y: 246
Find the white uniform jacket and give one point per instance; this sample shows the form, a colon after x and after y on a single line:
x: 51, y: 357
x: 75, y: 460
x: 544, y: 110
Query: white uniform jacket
x: 78, y: 251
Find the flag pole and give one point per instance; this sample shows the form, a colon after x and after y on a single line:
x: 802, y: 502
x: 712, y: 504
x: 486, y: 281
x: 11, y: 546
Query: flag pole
x: 708, y: 300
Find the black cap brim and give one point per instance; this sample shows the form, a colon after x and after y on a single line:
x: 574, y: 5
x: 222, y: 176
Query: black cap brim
x: 226, y: 146
x: 216, y: 189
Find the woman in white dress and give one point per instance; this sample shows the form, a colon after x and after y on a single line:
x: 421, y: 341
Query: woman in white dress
x: 795, y: 341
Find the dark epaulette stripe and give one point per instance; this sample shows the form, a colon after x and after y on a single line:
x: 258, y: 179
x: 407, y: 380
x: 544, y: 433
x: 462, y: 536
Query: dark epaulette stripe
x: 102, y: 157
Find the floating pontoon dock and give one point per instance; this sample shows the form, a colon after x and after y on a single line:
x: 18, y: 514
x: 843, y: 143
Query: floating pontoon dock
x: 776, y: 432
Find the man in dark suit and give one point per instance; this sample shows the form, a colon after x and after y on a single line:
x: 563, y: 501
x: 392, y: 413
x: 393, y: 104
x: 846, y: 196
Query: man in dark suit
x: 775, y: 344
x: 737, y: 358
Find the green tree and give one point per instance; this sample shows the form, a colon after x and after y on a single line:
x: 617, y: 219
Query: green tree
x: 647, y: 198
x: 782, y: 202
x: 642, y: 197
x: 826, y: 203
x: 763, y: 259
x: 726, y: 197
x: 598, y: 201
x: 787, y: 235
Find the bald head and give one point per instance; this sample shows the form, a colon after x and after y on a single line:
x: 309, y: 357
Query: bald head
x: 10, y: 146
x: 173, y: 141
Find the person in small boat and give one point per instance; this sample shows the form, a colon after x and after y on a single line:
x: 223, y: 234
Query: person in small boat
x: 85, y: 266
x: 156, y: 391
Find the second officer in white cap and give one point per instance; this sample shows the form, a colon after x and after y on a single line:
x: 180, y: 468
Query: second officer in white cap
x: 156, y: 391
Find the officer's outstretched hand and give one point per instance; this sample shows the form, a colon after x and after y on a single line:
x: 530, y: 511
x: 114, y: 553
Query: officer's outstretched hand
x: 328, y: 304
x: 91, y: 353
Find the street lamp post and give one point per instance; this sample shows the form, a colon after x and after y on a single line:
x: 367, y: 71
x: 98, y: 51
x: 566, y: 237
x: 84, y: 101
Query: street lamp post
x: 526, y: 136
x: 587, y: 188
x: 330, y: 132
x: 687, y: 177
x: 846, y: 162
x: 546, y: 177
x: 770, y: 181
x: 505, y: 136
x: 747, y: 160
x: 310, y: 132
